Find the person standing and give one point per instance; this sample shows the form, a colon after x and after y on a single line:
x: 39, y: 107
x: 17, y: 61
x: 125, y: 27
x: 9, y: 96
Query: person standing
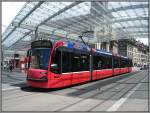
x: 10, y: 67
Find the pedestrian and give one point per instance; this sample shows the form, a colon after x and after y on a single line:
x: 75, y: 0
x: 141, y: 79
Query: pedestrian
x: 10, y: 67
x: 5, y: 66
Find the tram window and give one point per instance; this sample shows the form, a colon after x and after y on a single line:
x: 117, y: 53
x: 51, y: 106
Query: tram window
x: 57, y: 60
x: 84, y: 62
x: 102, y: 62
x: 130, y: 63
x: 116, y: 63
x: 40, y: 58
x: 94, y: 62
x: 79, y: 61
x: 126, y: 62
x: 121, y: 63
x: 97, y: 61
x: 109, y: 62
x: 71, y: 61
x: 66, y: 62
x: 75, y: 62
x: 106, y: 62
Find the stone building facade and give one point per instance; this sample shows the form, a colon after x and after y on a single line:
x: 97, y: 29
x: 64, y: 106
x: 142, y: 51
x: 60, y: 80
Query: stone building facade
x: 111, y: 46
x: 135, y: 50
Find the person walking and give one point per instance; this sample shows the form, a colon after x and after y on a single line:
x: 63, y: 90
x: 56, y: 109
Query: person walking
x: 10, y: 67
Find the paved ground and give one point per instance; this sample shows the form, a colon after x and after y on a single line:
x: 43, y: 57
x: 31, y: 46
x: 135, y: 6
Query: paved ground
x: 128, y: 92
x: 13, y: 80
x: 12, y: 77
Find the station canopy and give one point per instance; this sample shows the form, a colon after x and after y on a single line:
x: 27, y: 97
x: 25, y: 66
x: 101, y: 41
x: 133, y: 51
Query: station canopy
x: 95, y: 21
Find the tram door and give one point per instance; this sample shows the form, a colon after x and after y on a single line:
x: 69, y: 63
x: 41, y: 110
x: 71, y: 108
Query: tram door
x: 62, y: 75
x: 97, y: 64
x: 66, y: 73
x: 80, y: 66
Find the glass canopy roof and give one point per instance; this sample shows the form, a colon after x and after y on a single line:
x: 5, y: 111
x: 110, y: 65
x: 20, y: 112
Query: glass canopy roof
x: 68, y: 20
x: 132, y: 17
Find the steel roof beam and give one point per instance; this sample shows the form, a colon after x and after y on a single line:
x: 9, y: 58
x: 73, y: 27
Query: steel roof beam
x: 146, y: 35
x: 20, y: 39
x: 54, y: 15
x: 132, y: 32
x: 130, y: 27
x: 59, y: 12
x: 38, y: 5
x: 135, y: 36
x: 139, y: 31
x: 129, y: 7
x: 21, y: 43
x: 130, y: 19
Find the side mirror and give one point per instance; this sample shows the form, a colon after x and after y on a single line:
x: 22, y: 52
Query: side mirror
x: 54, y: 66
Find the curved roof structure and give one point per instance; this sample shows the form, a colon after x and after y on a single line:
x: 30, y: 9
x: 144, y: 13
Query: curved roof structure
x: 68, y: 20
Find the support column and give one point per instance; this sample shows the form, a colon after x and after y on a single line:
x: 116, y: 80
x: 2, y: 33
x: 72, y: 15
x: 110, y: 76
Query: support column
x: 107, y: 47
x: 98, y: 45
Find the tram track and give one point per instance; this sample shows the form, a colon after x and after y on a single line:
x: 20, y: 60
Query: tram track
x: 61, y: 109
x: 117, y: 92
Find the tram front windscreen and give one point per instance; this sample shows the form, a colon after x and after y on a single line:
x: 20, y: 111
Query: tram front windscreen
x: 40, y: 58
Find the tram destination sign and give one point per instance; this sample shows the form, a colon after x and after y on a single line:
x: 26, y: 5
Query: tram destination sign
x: 41, y: 44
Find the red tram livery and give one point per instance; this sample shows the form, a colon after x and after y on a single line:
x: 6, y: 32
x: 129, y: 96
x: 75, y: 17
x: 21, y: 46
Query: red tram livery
x: 60, y: 64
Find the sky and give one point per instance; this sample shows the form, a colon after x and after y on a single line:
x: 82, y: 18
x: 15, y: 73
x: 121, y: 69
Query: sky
x: 10, y: 10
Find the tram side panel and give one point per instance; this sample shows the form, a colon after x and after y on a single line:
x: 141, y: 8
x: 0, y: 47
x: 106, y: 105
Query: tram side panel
x: 72, y: 68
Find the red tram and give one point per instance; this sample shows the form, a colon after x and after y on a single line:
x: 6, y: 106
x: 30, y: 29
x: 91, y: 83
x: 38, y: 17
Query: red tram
x: 60, y: 64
